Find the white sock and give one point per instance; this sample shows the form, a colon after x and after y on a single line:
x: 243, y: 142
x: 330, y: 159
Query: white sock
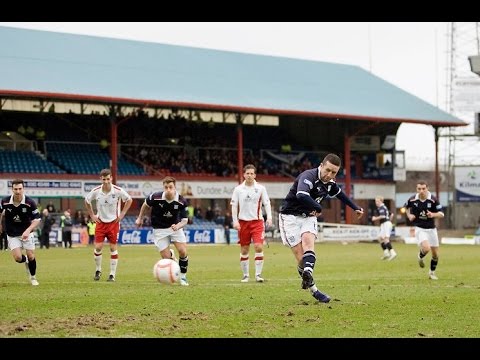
x: 113, y: 262
x: 244, y: 264
x: 258, y: 263
x: 98, y: 260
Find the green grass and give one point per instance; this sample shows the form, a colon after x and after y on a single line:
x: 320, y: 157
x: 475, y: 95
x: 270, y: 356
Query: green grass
x: 370, y: 297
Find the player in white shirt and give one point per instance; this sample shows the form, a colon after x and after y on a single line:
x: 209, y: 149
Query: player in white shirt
x: 108, y: 198
x: 247, y: 200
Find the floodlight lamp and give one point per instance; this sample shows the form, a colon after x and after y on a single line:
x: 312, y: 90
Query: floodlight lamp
x: 475, y: 64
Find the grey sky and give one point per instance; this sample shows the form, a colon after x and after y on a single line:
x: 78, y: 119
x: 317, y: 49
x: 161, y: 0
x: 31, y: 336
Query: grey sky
x: 411, y: 56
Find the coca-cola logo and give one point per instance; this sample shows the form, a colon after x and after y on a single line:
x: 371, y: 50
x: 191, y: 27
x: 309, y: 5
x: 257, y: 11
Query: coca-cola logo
x: 133, y: 237
x: 200, y: 236
x: 150, y: 239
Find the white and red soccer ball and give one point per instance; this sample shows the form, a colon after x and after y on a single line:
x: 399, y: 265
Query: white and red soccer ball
x: 166, y: 271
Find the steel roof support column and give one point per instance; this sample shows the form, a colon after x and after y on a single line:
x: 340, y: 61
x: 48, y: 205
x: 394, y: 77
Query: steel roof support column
x: 437, y: 173
x: 348, y: 179
x: 239, y: 147
x: 113, y: 147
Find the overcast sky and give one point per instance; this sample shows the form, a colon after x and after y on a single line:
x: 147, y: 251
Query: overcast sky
x: 411, y: 56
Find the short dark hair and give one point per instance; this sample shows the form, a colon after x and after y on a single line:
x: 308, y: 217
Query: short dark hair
x: 249, y: 167
x: 105, y: 172
x: 332, y: 159
x: 18, y: 181
x: 422, y: 182
x: 169, y: 179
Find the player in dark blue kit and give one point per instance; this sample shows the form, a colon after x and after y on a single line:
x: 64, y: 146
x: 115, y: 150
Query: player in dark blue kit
x: 382, y: 214
x: 299, y: 212
x: 168, y: 217
x: 422, y: 209
x: 21, y: 218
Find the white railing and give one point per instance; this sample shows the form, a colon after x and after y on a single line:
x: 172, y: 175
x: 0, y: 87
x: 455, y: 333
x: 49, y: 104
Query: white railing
x: 26, y: 145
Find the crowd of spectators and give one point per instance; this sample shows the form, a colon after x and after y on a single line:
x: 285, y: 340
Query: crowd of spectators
x: 170, y: 144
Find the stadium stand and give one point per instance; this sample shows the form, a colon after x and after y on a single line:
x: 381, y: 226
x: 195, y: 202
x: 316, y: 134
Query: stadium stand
x: 26, y: 162
x: 86, y: 158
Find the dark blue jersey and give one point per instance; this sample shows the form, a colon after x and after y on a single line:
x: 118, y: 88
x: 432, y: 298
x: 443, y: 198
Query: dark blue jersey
x: 382, y: 210
x: 19, y: 218
x: 166, y: 213
x: 419, y: 208
x: 308, y: 184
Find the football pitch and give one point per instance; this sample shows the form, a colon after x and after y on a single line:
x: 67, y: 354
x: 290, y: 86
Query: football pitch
x: 371, y: 298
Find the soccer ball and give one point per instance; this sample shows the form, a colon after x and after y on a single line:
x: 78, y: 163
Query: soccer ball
x: 166, y: 271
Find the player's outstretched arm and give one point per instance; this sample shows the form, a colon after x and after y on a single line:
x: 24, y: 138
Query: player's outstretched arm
x: 343, y: 198
x: 359, y: 213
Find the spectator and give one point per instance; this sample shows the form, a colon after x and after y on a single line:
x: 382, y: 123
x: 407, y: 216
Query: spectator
x: 190, y: 213
x: 50, y: 207
x: 66, y: 224
x: 227, y: 224
x: 91, y: 225
x: 47, y: 221
x: 79, y: 219
x: 3, y: 234
x: 209, y: 215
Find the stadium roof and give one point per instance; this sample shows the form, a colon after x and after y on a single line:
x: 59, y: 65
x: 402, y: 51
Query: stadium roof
x: 77, y: 67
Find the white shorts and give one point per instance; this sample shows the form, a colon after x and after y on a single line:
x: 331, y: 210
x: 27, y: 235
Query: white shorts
x: 292, y: 227
x: 16, y: 242
x: 385, y: 230
x: 429, y: 235
x: 163, y: 237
